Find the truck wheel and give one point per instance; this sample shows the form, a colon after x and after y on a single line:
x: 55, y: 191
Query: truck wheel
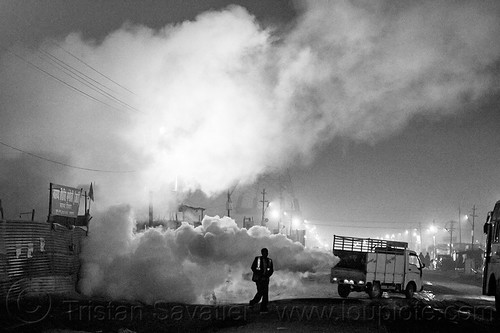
x: 375, y: 290
x: 410, y: 290
x: 344, y: 290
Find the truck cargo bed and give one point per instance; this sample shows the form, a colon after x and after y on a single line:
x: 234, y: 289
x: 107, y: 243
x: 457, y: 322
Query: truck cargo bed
x: 357, y: 244
x: 346, y: 275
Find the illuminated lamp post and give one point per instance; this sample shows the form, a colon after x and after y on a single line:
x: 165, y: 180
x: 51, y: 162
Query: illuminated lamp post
x: 472, y: 225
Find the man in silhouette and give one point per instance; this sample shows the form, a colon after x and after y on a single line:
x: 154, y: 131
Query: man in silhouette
x: 427, y: 260
x: 262, y: 268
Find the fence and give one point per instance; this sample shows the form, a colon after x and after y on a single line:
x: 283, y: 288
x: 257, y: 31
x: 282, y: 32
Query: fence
x: 38, y: 257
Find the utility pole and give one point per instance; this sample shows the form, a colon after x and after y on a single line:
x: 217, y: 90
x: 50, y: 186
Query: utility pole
x: 229, y: 204
x: 434, y: 238
x: 150, y: 209
x: 450, y: 230
x: 264, y: 201
x: 451, y: 237
x: 472, y: 231
x: 282, y: 203
x: 420, y: 232
x: 459, y: 225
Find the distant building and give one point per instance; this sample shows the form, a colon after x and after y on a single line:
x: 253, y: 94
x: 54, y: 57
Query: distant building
x: 191, y: 215
x: 183, y: 213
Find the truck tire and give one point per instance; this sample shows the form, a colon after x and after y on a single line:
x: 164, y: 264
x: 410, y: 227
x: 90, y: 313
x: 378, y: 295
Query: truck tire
x: 410, y: 290
x: 375, y: 291
x: 344, y: 290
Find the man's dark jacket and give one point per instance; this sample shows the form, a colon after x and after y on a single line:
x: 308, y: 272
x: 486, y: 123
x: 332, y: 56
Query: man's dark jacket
x: 262, y: 269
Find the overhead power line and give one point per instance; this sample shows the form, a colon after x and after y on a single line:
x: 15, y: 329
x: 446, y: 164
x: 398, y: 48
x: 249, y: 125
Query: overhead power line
x: 31, y: 64
x: 84, y: 79
x: 64, y: 164
x: 367, y: 225
x: 95, y: 70
x: 347, y: 222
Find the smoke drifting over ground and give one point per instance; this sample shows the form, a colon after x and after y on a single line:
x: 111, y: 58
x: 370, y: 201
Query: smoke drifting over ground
x: 221, y: 98
x: 188, y: 264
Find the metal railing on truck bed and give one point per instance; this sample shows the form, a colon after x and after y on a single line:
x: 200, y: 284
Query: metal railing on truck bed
x: 357, y: 244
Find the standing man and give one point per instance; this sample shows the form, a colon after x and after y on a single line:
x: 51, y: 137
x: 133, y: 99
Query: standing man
x: 262, y: 268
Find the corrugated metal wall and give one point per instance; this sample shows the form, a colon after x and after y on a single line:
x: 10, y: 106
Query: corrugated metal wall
x: 35, y: 258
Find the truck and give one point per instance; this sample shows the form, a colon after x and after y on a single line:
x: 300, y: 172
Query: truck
x: 374, y: 266
x: 491, y: 269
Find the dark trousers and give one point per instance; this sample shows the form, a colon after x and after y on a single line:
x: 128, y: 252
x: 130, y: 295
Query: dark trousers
x: 262, y: 292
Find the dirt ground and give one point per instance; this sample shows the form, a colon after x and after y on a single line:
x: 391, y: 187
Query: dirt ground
x: 314, y: 308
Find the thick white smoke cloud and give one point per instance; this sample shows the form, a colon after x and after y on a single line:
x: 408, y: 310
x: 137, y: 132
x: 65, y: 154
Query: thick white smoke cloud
x: 187, y: 264
x: 363, y: 69
x: 221, y: 99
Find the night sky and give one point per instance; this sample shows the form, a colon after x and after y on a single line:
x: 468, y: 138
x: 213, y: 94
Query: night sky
x: 385, y: 116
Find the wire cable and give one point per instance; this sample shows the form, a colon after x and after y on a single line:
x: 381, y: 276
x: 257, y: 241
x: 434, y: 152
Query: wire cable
x: 61, y: 81
x: 84, y: 79
x: 92, y: 68
x: 64, y: 164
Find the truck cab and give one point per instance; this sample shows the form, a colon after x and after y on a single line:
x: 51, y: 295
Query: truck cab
x: 374, y: 266
x: 413, y: 271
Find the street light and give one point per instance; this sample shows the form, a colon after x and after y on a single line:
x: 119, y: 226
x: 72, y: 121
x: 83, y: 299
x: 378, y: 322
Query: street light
x: 466, y: 217
x: 472, y: 225
x: 296, y: 222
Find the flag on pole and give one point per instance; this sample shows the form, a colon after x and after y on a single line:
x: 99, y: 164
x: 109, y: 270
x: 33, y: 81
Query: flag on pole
x: 91, y: 192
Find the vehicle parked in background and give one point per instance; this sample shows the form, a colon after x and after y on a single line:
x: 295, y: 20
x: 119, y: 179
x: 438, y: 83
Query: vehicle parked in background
x: 445, y: 262
x: 375, y: 266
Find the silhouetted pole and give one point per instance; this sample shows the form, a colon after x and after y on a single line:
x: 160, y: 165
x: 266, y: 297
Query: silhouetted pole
x: 151, y: 209
x: 473, y: 221
x: 450, y: 230
x: 229, y: 204
x: 459, y: 226
x: 264, y: 201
